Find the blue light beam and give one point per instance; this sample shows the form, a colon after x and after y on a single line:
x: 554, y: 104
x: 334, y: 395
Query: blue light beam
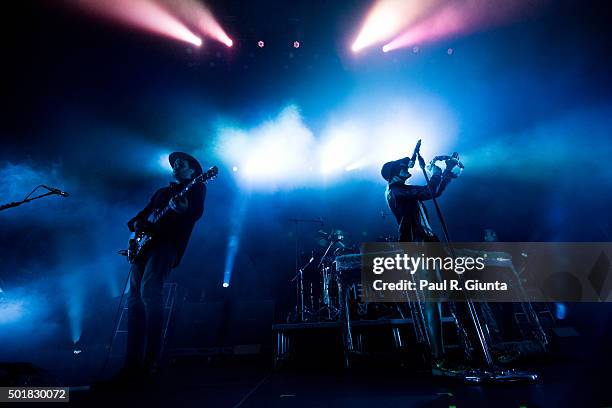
x: 233, y: 242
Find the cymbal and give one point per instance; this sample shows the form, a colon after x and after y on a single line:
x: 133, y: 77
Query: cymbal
x: 335, y: 235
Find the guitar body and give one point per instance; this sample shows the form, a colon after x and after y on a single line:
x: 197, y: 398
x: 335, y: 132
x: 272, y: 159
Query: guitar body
x: 140, y: 241
x: 137, y: 245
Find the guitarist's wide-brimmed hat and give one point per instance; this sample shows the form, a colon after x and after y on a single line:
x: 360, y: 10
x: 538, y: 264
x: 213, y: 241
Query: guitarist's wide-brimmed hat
x: 193, y: 163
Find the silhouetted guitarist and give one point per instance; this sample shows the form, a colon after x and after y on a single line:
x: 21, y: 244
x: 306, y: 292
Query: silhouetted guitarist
x: 149, y: 271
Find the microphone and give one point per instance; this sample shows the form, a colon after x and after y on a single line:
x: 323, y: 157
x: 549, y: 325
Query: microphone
x: 417, y: 150
x: 56, y: 191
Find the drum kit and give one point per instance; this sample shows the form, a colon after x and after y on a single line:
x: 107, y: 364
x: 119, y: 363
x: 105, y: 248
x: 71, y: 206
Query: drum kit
x: 328, y: 289
x: 317, y: 284
x: 328, y: 285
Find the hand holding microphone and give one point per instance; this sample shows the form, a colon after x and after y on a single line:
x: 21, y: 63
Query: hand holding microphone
x: 415, y: 154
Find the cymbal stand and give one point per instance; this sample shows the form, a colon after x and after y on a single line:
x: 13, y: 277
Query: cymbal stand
x: 300, y: 306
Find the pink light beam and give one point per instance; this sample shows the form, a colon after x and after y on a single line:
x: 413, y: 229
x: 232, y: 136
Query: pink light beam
x: 200, y: 17
x: 459, y: 18
x: 387, y: 18
x: 144, y: 14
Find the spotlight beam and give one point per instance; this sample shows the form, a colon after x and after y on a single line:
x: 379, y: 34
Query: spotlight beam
x: 234, y: 240
x: 447, y: 21
x: 144, y: 14
x: 387, y: 18
x: 201, y: 18
x: 460, y: 17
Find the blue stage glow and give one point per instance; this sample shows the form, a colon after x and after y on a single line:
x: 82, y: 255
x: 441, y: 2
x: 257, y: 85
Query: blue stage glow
x: 74, y: 287
x: 234, y: 239
x: 280, y: 153
x: 11, y: 311
x: 232, y: 250
x: 560, y: 311
x: 341, y: 144
x: 163, y: 162
x: 274, y: 154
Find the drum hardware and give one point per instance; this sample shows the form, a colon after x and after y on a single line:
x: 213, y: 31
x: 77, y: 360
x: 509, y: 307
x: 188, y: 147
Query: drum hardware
x: 332, y: 239
x: 337, y: 297
x: 300, y: 308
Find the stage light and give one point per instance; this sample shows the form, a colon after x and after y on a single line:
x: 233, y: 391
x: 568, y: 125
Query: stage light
x: 225, y: 284
x: 296, y: 44
x: 386, y: 18
x: 235, y: 169
x: 455, y: 18
x: 440, y: 24
x: 143, y: 14
x: 274, y: 153
x: 260, y: 44
x: 199, y: 16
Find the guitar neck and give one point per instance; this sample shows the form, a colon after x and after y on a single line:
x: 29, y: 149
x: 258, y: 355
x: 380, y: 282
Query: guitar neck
x: 181, y: 193
x: 201, y: 179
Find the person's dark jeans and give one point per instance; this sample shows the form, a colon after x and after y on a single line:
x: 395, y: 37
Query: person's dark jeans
x: 145, y: 309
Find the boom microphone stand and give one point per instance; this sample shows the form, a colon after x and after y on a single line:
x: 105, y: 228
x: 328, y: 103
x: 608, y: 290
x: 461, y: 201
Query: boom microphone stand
x: 490, y: 373
x: 27, y: 198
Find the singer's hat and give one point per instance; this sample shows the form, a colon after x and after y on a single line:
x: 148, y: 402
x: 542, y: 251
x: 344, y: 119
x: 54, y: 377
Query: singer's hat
x: 391, y: 169
x: 193, y: 163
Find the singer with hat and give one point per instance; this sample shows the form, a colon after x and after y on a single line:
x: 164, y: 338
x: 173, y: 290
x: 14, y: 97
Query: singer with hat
x: 406, y: 203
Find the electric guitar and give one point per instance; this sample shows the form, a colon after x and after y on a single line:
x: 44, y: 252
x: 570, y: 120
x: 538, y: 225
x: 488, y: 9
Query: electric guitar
x: 141, y: 240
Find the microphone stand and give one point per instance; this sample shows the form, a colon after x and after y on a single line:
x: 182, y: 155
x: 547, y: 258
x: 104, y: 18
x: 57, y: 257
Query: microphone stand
x: 490, y: 373
x: 300, y: 307
x: 27, y: 199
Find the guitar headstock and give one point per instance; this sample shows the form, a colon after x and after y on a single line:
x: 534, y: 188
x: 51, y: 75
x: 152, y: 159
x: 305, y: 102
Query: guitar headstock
x: 212, y: 172
x: 209, y: 174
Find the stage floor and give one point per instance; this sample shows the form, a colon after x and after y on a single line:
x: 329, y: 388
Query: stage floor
x: 567, y: 384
